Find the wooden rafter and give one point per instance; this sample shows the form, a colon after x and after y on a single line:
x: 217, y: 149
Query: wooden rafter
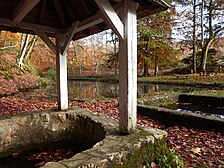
x: 86, y: 8
x: 68, y: 8
x: 60, y: 11
x: 46, y: 40
x: 42, y: 11
x: 22, y: 9
x: 92, y: 21
x: 111, y: 17
x: 69, y: 37
x: 30, y: 26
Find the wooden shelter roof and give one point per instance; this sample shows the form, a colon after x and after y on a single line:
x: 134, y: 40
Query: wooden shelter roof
x: 54, y: 16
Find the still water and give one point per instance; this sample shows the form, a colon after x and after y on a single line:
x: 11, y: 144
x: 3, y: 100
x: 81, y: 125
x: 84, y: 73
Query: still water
x: 88, y: 90
x: 198, y: 109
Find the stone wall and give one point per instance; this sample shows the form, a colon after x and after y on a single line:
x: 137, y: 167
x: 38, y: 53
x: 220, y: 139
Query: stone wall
x: 171, y: 118
x: 215, y: 101
x: 159, y: 100
x: 39, y: 129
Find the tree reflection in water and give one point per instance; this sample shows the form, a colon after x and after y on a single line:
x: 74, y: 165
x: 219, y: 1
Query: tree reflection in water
x: 89, y: 90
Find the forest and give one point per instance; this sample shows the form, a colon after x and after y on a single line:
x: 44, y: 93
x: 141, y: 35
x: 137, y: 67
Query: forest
x: 186, y: 38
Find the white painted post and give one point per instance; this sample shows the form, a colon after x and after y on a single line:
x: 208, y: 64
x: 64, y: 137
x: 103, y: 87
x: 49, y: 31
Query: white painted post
x: 61, y: 68
x: 128, y: 69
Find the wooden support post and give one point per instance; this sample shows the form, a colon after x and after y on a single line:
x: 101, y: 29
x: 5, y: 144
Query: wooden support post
x: 61, y: 67
x: 128, y: 69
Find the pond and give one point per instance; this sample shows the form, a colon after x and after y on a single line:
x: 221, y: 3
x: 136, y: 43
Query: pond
x: 88, y: 90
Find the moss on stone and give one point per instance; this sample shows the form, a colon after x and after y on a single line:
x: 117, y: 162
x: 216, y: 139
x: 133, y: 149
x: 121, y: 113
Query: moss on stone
x: 156, y: 152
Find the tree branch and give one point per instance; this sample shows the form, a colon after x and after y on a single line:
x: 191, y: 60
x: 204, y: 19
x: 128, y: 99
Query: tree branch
x: 3, y: 48
x: 218, y: 31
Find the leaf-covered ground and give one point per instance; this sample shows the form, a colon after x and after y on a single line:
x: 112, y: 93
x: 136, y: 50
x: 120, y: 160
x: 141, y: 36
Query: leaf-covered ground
x: 199, y: 148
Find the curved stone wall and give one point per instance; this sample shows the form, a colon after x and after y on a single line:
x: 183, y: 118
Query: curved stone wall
x: 100, y: 132
x: 43, y: 129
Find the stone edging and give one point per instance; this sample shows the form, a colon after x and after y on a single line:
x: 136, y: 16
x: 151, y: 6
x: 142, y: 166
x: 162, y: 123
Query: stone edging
x: 113, y: 150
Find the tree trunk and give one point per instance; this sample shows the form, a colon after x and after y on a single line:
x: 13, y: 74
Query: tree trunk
x: 205, y: 54
x: 115, y: 51
x: 211, y: 38
x: 156, y: 70
x: 23, y: 51
x: 32, y: 43
x: 202, y: 22
x: 194, y: 63
x: 146, y: 72
x: 115, y: 68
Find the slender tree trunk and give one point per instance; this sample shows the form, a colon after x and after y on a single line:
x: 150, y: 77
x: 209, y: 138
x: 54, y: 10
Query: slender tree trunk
x: 194, y: 66
x: 21, y: 43
x: 32, y: 43
x: 205, y: 54
x: 202, y: 22
x: 23, y: 51
x: 115, y: 51
x: 145, y: 72
x: 210, y: 40
x: 156, y: 68
x: 115, y: 68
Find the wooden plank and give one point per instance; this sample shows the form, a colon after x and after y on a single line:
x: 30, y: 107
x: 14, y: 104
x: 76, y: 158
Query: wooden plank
x: 46, y: 40
x: 111, y: 17
x: 86, y: 8
x: 42, y: 11
x: 60, y: 11
x: 61, y: 69
x: 128, y: 69
x: 69, y: 37
x: 22, y: 9
x: 92, y: 21
x: 68, y: 7
x: 30, y: 26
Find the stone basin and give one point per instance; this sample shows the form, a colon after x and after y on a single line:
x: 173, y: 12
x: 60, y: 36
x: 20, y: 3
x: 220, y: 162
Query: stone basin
x: 155, y: 108
x: 107, y: 148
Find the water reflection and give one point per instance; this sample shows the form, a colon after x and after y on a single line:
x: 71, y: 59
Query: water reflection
x: 85, y: 90
x: 88, y: 90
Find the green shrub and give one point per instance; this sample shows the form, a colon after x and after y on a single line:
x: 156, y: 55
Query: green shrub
x: 50, y: 74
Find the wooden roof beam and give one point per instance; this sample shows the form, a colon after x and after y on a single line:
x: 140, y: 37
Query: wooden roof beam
x: 22, y: 9
x: 60, y: 11
x: 68, y: 7
x: 46, y: 40
x: 69, y: 37
x: 42, y: 11
x: 30, y: 26
x: 111, y: 17
x: 86, y: 8
x: 87, y: 23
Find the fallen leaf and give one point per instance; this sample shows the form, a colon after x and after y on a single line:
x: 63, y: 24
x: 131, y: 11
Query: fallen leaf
x: 196, y: 150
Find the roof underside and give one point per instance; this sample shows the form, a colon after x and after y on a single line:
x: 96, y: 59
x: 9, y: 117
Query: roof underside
x: 54, y: 16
